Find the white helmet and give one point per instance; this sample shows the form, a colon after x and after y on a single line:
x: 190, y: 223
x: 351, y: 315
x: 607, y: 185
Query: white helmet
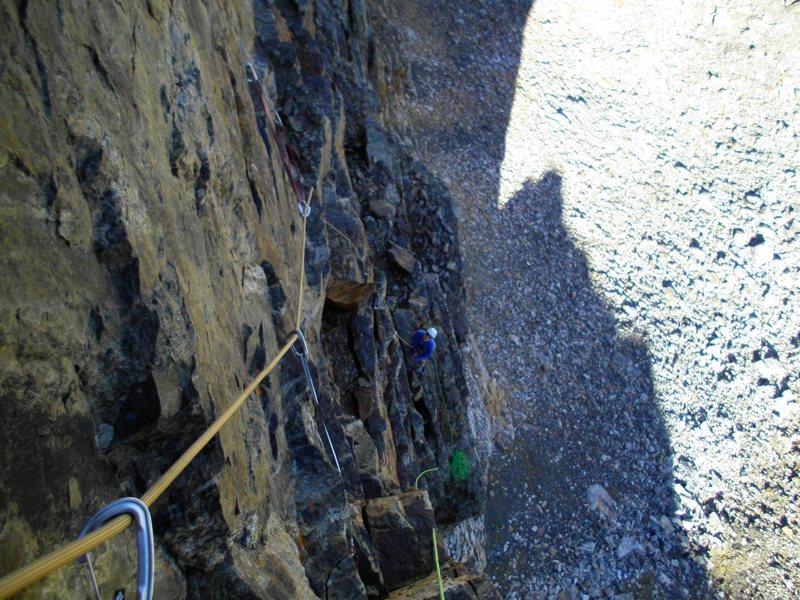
x: 431, y: 332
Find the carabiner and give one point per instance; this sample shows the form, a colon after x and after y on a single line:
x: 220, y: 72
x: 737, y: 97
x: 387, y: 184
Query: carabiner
x: 300, y: 338
x: 144, y: 539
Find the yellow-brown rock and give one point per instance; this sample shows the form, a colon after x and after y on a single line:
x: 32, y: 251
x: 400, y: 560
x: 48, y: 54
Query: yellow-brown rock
x: 150, y: 267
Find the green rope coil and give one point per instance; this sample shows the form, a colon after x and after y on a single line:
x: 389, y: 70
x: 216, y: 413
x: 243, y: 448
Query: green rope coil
x: 460, y: 466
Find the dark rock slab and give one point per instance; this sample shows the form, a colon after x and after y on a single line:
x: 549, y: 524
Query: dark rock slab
x: 348, y: 294
x: 402, y: 258
x: 400, y: 528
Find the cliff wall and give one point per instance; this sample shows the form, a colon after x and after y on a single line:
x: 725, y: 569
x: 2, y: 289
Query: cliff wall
x: 151, y: 267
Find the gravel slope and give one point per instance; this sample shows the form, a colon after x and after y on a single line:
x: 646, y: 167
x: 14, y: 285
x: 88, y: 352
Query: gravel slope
x: 627, y: 181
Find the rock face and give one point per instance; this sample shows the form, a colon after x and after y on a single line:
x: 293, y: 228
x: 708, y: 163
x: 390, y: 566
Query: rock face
x: 151, y: 267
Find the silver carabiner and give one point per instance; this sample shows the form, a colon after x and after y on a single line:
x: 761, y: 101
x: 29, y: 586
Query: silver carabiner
x: 144, y: 540
x: 305, y: 208
x: 300, y: 338
x: 310, y: 380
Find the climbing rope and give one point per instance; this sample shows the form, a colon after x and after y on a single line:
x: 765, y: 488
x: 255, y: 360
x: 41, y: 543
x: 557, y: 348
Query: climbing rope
x: 435, y: 549
x: 33, y: 572
x: 458, y: 464
x: 345, y: 236
x: 439, y: 389
x: 400, y: 337
x: 22, y: 578
x: 416, y: 481
x: 443, y: 404
x: 438, y: 569
x: 460, y: 467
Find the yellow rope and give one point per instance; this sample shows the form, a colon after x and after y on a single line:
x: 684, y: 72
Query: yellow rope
x: 344, y: 235
x: 17, y: 581
x: 438, y: 570
x: 402, y: 340
x: 22, y: 578
x: 167, y: 478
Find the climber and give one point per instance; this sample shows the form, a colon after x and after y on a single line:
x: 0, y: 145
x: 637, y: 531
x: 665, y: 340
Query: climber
x: 423, y: 343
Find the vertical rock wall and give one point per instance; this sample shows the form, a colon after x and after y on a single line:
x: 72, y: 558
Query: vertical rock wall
x: 150, y: 268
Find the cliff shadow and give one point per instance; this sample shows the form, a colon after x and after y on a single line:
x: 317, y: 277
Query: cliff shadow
x: 582, y: 501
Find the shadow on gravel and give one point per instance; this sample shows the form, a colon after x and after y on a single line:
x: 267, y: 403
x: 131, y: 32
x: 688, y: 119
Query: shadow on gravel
x: 581, y: 393
x: 582, y: 501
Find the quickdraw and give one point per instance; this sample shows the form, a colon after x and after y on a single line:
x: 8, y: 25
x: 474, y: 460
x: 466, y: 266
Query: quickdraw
x: 278, y: 133
x: 303, y: 355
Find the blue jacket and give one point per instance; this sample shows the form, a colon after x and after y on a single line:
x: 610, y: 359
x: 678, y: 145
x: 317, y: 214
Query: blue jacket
x: 423, y: 348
